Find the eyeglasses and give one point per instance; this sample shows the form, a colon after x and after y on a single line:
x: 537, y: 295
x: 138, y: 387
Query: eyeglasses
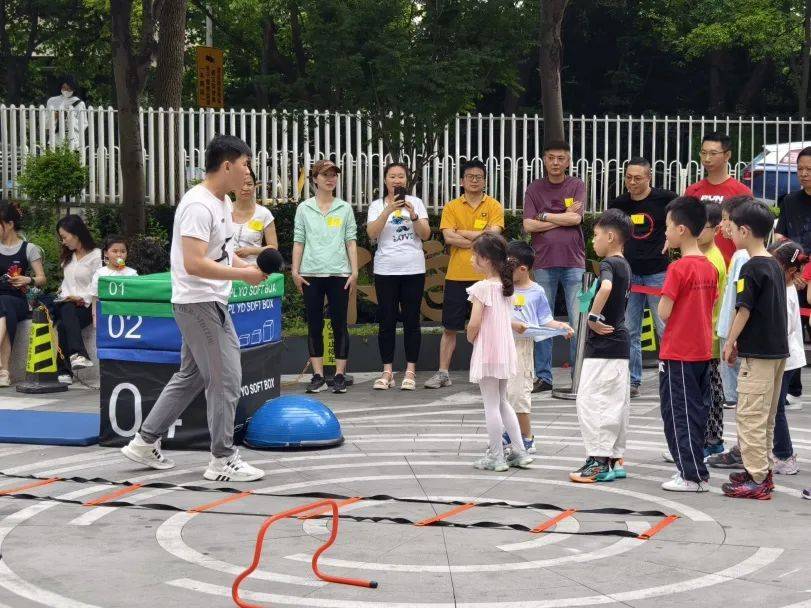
x: 474, y: 177
x: 552, y: 158
x: 711, y: 153
x: 636, y: 179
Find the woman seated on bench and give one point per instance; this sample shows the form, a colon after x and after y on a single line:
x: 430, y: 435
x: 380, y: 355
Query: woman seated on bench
x: 80, y: 258
x: 19, y: 260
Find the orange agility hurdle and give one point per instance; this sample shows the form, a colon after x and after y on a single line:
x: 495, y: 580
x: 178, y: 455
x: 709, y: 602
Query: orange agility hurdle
x: 260, y: 539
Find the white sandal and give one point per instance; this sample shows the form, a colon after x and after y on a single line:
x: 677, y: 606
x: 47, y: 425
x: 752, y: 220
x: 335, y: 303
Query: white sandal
x: 409, y: 382
x: 381, y: 384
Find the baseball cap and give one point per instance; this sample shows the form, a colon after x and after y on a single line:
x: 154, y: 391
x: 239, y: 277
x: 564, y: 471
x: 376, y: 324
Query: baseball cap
x: 323, y: 165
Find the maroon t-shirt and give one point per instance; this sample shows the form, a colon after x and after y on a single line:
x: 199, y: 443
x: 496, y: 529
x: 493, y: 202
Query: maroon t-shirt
x: 561, y: 247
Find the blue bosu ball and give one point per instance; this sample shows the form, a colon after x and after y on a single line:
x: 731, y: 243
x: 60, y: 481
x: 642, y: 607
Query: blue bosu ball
x: 293, y: 421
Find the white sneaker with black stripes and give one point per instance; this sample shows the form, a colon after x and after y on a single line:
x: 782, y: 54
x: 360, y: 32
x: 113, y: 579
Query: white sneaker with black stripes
x: 232, y: 468
x: 148, y: 454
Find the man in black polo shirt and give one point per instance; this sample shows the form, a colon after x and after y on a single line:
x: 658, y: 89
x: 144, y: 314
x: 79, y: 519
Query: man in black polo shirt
x: 646, y: 207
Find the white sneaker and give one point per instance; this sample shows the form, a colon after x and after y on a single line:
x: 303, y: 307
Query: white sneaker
x: 80, y: 361
x: 667, y: 456
x: 677, y: 484
x: 148, y: 454
x: 786, y: 467
x: 64, y: 379
x: 232, y: 468
x: 5, y: 378
x: 794, y: 403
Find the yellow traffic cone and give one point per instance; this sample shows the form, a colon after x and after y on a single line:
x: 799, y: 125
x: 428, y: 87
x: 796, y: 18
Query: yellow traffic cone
x: 41, y: 373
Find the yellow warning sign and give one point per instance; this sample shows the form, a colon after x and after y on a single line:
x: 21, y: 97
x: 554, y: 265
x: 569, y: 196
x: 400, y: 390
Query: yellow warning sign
x: 329, y: 343
x: 210, y: 91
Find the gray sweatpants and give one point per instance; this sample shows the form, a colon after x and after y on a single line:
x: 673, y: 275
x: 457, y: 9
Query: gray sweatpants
x: 209, y: 359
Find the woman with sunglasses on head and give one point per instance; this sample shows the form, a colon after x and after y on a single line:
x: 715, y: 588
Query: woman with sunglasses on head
x: 399, y: 224
x: 254, y: 229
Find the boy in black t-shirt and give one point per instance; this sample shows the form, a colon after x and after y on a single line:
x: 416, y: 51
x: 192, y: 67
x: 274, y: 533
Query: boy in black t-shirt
x: 604, y: 393
x: 759, y: 336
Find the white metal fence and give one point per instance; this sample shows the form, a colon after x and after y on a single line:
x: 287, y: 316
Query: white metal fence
x: 285, y: 144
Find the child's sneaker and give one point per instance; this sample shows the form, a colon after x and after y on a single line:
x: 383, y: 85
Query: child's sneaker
x: 742, y: 476
x: 749, y: 488
x: 728, y: 460
x: 710, y: 450
x: 794, y: 403
x: 529, y: 444
x: 618, y: 468
x: 807, y: 493
x: 786, y: 467
x: 148, y: 454
x: 519, y: 460
x: 78, y: 361
x: 594, y: 470
x: 667, y: 456
x: 488, y: 462
x: 232, y: 468
x: 678, y: 484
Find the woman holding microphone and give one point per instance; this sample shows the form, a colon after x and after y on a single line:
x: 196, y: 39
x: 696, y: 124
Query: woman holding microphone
x: 399, y: 224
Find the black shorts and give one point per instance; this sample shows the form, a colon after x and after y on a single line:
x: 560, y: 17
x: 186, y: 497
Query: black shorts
x: 455, y: 306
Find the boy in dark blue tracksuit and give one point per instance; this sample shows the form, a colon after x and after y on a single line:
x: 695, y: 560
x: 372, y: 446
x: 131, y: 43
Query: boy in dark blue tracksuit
x: 688, y: 296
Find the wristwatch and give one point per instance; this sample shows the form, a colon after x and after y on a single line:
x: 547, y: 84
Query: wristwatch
x: 596, y: 318
x: 543, y: 216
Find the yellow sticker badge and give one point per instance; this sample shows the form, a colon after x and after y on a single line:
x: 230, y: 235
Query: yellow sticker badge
x: 333, y: 221
x: 520, y: 299
x: 568, y: 202
x: 480, y: 224
x: 637, y: 219
x: 255, y: 225
x: 398, y: 213
x: 739, y: 285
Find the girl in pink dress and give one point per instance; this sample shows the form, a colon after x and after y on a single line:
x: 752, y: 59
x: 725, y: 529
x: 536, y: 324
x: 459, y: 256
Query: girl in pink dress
x: 494, y: 359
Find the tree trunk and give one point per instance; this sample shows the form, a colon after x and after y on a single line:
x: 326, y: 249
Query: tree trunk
x: 805, y: 77
x: 171, y: 46
x: 168, y: 84
x: 753, y: 87
x: 550, y: 52
x: 129, y: 70
x: 717, y: 103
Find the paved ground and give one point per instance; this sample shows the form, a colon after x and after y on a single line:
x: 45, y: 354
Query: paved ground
x: 720, y: 552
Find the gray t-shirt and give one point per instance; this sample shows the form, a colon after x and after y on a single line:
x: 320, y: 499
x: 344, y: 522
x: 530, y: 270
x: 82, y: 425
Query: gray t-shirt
x: 32, y: 252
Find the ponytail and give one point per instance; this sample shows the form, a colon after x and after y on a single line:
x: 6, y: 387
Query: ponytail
x: 493, y: 248
x: 789, y: 254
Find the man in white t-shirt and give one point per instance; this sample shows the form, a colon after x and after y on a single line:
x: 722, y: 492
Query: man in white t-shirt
x: 203, y: 266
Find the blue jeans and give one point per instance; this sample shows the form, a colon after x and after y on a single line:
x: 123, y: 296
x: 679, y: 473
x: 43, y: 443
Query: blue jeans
x: 633, y: 319
x: 729, y: 375
x: 782, y: 447
x: 572, y: 281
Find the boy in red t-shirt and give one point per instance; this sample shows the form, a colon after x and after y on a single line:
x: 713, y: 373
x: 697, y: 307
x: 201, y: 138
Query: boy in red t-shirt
x: 688, y: 296
x: 719, y: 185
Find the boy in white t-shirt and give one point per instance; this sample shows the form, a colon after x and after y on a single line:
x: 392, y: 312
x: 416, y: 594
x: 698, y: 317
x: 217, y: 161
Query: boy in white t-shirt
x: 114, y: 256
x: 531, y: 316
x: 203, y: 266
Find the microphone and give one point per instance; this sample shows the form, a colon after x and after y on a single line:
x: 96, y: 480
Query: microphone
x: 270, y: 261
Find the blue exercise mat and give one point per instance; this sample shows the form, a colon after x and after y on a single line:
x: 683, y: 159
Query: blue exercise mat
x: 48, y: 428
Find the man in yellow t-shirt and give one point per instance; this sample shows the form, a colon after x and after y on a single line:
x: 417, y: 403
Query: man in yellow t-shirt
x: 463, y: 220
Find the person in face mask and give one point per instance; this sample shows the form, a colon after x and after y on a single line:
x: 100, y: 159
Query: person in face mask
x: 75, y: 112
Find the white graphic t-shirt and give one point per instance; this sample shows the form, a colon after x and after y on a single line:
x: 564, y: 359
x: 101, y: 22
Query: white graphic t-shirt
x: 203, y: 216
x: 399, y: 249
